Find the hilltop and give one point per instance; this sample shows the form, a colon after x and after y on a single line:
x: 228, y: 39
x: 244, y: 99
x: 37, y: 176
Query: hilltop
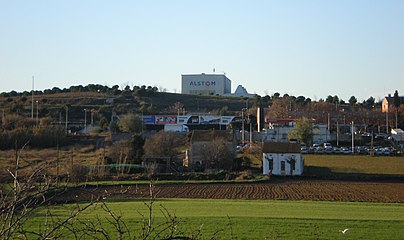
x: 102, y: 103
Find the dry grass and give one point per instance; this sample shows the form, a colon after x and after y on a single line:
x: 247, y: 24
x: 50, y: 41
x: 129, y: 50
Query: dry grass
x: 51, y: 159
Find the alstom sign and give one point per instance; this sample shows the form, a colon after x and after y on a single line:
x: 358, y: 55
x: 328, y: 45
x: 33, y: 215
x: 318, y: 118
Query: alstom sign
x: 202, y: 83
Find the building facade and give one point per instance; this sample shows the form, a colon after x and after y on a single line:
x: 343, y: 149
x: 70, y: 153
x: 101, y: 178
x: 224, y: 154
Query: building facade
x: 282, y: 159
x: 388, y: 103
x: 205, y: 84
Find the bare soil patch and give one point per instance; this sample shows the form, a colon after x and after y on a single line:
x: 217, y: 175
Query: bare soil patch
x: 315, y: 190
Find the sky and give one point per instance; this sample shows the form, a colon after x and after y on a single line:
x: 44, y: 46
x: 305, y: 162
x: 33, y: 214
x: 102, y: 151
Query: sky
x: 312, y: 48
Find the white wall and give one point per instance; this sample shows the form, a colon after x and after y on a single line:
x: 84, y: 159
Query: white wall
x: 278, y: 158
x: 321, y: 134
x: 280, y: 134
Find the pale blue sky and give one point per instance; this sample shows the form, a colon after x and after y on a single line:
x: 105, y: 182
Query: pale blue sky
x: 303, y: 47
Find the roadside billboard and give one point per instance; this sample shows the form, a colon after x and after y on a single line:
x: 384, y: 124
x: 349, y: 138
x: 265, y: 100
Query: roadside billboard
x: 188, y: 119
x: 209, y: 119
x: 149, y: 119
x: 165, y: 119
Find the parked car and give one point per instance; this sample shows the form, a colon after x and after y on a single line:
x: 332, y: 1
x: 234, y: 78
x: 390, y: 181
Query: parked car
x: 327, y: 146
x: 329, y: 150
x: 345, y: 150
x: 336, y: 150
x: 319, y: 150
x: 386, y: 151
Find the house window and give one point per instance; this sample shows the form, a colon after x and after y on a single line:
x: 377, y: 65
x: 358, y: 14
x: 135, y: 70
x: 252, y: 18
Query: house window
x: 283, y: 166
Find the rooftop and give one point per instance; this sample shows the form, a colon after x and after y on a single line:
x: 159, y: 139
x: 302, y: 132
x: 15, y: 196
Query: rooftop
x: 280, y: 147
x: 213, y: 73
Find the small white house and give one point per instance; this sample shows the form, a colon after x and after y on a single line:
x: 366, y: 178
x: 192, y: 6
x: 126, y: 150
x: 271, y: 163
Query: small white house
x: 279, y: 158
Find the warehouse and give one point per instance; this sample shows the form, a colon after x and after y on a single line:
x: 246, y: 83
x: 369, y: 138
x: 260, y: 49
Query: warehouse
x: 205, y: 84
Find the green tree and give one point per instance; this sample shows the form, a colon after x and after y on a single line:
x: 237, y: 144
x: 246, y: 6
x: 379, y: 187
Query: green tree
x: 23, y: 99
x: 352, y: 100
x: 369, y: 103
x: 303, y: 131
x: 300, y: 99
x: 276, y: 95
x: 104, y: 123
x: 130, y: 123
x: 335, y: 99
x: 136, y: 152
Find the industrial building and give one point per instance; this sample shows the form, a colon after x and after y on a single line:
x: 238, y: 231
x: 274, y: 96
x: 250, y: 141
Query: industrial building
x: 205, y: 84
x: 211, y: 84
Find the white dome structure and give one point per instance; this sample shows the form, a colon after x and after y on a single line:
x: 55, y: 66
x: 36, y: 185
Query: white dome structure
x: 242, y: 92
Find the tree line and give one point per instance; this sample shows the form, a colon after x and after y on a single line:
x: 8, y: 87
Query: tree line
x: 114, y: 90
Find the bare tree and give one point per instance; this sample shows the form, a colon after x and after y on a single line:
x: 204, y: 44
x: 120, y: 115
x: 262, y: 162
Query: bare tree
x: 164, y: 144
x: 218, y: 153
x: 177, y: 108
x: 34, y: 194
x: 27, y: 195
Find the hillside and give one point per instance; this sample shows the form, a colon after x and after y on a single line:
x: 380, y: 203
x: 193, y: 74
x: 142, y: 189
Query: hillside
x: 54, y: 104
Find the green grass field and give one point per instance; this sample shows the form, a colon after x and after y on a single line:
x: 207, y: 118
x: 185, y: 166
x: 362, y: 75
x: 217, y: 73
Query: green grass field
x: 241, y: 219
x: 357, y: 164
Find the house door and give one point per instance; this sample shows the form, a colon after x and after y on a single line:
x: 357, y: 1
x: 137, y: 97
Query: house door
x: 283, y: 168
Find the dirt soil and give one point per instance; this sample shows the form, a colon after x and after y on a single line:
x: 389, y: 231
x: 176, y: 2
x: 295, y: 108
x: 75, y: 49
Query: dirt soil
x: 316, y: 190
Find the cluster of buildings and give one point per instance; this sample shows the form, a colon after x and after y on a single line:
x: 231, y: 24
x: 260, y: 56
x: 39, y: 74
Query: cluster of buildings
x: 279, y: 155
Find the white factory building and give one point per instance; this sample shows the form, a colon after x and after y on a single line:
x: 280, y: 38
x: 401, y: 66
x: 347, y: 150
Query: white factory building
x: 210, y: 84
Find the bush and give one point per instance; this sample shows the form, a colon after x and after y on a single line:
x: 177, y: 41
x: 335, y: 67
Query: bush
x: 79, y: 173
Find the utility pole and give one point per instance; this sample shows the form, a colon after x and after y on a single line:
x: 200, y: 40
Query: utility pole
x: 251, y: 133
x: 372, y: 149
x: 85, y: 119
x: 353, y: 137
x: 32, y: 99
x: 67, y: 111
x: 92, y: 117
x: 242, y: 125
x: 387, y: 120
x: 37, y: 111
x: 328, y: 127
x: 337, y: 134
x: 396, y: 118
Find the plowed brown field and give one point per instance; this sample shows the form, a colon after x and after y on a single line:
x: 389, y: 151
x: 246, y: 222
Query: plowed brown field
x: 317, y: 190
